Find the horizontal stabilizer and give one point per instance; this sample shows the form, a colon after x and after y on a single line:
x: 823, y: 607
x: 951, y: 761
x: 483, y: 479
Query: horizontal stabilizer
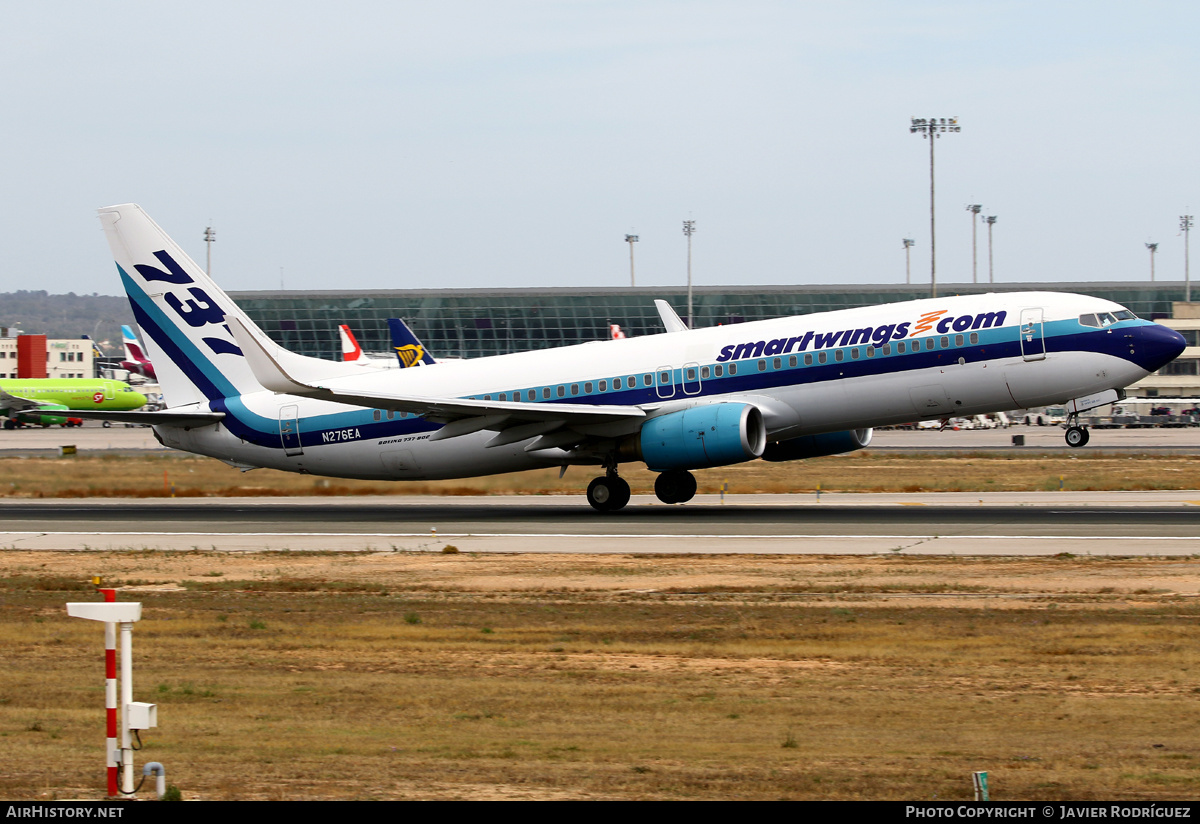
x: 164, y: 416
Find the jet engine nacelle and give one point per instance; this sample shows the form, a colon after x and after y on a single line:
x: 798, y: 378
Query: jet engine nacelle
x: 703, y: 436
x: 817, y: 446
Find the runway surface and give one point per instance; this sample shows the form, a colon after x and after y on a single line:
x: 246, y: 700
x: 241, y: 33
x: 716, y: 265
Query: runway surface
x: 1142, y: 523
x: 139, y: 440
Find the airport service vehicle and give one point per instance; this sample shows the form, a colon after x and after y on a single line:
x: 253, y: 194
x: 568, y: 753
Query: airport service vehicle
x: 44, y: 401
x: 781, y: 390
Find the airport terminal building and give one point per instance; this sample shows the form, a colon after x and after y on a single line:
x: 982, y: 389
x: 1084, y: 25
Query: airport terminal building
x: 472, y: 323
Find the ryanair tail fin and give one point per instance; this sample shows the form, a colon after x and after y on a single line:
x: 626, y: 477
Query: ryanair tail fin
x: 182, y: 313
x: 409, y: 350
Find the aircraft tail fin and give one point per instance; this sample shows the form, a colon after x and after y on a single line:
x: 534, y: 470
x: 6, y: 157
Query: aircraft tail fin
x: 183, y: 314
x: 133, y: 349
x: 409, y: 350
x: 351, y: 351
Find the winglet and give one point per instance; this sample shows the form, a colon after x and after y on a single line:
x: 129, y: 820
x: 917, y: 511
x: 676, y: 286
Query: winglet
x: 669, y: 318
x: 267, y: 362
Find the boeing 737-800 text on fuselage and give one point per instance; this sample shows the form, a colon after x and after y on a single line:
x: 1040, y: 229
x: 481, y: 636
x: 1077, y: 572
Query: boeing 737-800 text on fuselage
x: 781, y: 390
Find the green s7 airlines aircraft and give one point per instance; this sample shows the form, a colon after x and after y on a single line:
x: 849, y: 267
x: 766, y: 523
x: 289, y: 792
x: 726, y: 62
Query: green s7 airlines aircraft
x: 47, y: 401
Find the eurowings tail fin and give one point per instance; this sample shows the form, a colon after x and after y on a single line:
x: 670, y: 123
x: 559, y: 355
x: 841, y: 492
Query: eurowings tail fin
x: 409, y: 350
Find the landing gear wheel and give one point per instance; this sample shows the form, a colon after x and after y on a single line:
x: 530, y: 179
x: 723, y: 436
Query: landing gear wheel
x: 9, y: 424
x: 607, y: 493
x: 675, y: 487
x: 1077, y: 436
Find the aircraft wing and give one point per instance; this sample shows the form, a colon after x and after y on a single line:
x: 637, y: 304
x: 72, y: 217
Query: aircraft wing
x: 279, y: 370
x: 15, y: 403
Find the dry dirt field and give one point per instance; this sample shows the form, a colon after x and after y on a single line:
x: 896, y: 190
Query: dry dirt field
x: 448, y: 675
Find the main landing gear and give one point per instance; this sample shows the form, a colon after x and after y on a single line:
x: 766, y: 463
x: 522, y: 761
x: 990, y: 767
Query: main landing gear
x: 608, y: 493
x: 675, y: 487
x: 1076, y: 435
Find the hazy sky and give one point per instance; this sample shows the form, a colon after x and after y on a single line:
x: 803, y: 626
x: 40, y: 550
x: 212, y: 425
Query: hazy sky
x: 424, y: 144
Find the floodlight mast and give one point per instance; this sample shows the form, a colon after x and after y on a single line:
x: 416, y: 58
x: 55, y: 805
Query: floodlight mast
x: 974, y: 209
x: 990, y: 220
x: 1185, y: 225
x: 932, y: 128
x: 210, y: 237
x: 1153, y: 247
x: 908, y: 244
x: 631, y: 239
x: 689, y: 227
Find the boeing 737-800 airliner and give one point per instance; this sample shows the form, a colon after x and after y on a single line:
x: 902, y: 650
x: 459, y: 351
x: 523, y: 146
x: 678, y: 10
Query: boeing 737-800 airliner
x: 781, y: 390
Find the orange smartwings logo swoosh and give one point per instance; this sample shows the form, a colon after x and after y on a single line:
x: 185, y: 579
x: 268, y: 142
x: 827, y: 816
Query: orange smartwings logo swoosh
x: 926, y: 322
x: 410, y: 354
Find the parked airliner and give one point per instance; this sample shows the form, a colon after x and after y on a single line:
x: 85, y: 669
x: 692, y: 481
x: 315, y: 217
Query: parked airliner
x: 781, y: 390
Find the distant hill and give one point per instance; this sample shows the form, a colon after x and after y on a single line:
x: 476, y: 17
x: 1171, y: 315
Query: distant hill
x: 67, y: 316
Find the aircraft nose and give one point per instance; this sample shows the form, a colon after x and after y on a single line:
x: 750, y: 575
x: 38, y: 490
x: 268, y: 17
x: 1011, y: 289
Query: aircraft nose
x: 1154, y: 346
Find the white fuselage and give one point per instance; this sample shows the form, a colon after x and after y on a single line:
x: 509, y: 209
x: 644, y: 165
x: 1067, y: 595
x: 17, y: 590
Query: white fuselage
x: 851, y: 369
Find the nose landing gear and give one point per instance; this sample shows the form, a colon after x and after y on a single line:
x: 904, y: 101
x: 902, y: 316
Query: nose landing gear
x: 1076, y: 435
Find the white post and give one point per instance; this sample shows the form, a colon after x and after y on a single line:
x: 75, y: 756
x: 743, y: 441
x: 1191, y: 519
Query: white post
x: 126, y: 700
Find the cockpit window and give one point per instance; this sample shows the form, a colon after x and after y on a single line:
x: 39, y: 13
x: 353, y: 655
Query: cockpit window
x: 1125, y: 314
x: 1089, y: 320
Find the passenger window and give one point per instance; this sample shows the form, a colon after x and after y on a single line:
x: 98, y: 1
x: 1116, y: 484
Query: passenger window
x: 791, y: 360
x: 378, y: 414
x: 887, y: 349
x: 719, y: 370
x: 839, y: 355
x: 946, y: 343
x: 562, y: 391
x: 733, y: 369
x: 691, y: 374
x: 532, y: 394
x: 391, y: 414
x: 777, y: 363
x: 854, y: 353
x: 546, y: 392
x: 587, y: 387
x: 603, y: 386
x: 900, y: 348
x: 703, y: 373
x: 822, y: 357
x: 958, y: 340
x: 974, y: 338
x: 503, y: 396
x: 870, y: 351
x: 663, y: 378
x: 647, y: 379
x: 574, y: 389
x: 616, y: 383
x: 808, y: 358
